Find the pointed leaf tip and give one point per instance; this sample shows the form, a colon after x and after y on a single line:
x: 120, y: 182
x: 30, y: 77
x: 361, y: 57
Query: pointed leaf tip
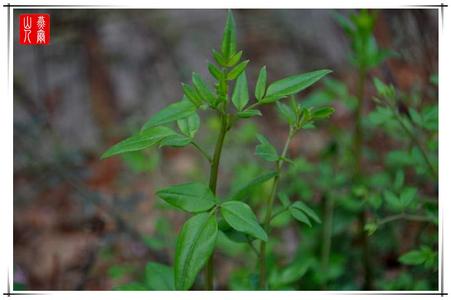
x: 228, y: 44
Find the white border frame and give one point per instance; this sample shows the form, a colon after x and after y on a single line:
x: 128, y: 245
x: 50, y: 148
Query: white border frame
x: 6, y: 148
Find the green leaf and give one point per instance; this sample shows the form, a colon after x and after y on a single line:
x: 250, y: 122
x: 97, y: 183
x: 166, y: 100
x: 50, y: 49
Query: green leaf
x: 236, y: 236
x: 243, y: 190
x: 159, y: 277
x: 284, y: 199
x: 423, y: 256
x: 387, y: 91
x: 139, y: 141
x: 399, y: 180
x: 287, y: 113
x: 190, y: 125
x: 240, y: 217
x: 290, y: 274
x: 270, y: 99
x: 307, y: 210
x: 407, y: 196
x: 249, y: 113
x: 194, y: 247
x: 192, y: 94
x: 203, y: 89
x: 234, y: 59
x: 294, y: 84
x: 237, y: 71
x: 322, y: 113
x: 370, y: 228
x: 173, y: 112
x: 214, y: 71
x: 176, y: 140
x: 228, y: 44
x: 260, y: 86
x: 240, y: 95
x: 414, y: 257
x: 232, y: 234
x: 219, y: 58
x: 265, y: 150
x: 191, y: 197
x: 392, y: 200
x: 299, y: 215
x: 416, y: 117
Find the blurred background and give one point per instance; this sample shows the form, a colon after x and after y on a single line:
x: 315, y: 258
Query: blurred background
x: 81, y: 223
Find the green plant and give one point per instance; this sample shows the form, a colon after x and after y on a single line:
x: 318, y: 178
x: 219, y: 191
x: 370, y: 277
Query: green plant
x: 212, y: 215
x: 417, y: 128
x: 298, y: 117
x: 365, y: 55
x: 392, y: 194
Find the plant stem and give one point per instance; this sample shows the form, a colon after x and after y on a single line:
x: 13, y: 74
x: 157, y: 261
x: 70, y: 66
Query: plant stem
x: 268, y: 215
x: 403, y: 216
x: 217, y: 154
x: 414, y: 138
x: 214, y: 167
x: 358, y: 145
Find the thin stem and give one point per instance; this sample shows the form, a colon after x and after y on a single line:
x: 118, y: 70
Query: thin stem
x: 268, y: 215
x: 217, y: 155
x: 253, y: 105
x: 214, y: 167
x: 201, y: 150
x: 358, y: 146
x: 403, y: 216
x: 251, y: 245
x: 414, y: 138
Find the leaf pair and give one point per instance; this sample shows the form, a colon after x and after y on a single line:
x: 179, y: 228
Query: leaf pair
x: 423, y: 256
x: 299, y: 210
x: 197, y: 239
x: 197, y: 197
x: 302, y: 117
x: 401, y: 201
x: 152, y: 133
